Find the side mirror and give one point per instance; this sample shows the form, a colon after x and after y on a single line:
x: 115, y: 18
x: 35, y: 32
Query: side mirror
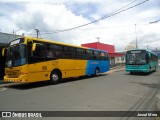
x: 33, y: 46
x: 3, y: 51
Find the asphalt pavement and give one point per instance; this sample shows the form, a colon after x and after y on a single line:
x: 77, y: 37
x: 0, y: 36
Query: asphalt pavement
x: 115, y: 69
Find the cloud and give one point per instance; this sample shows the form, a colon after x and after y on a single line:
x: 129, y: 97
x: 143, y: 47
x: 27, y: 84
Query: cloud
x: 51, y: 1
x: 48, y: 16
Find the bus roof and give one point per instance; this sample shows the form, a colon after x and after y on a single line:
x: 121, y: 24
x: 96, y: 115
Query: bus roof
x: 98, y: 50
x: 60, y: 43
x: 143, y: 49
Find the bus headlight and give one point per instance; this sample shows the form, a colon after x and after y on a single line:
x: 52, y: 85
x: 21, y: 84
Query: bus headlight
x: 21, y: 74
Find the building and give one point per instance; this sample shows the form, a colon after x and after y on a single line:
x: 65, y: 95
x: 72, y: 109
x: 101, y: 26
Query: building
x: 120, y: 57
x: 130, y: 47
x: 115, y: 57
x: 6, y: 38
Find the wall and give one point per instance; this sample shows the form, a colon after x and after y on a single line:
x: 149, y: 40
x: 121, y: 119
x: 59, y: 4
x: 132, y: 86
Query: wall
x: 101, y: 46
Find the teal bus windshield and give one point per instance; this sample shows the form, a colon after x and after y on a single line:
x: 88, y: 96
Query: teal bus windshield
x: 136, y: 57
x: 141, y: 61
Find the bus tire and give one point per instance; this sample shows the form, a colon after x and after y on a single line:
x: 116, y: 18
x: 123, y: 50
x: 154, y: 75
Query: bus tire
x: 150, y: 69
x: 97, y: 71
x: 55, y: 77
x: 149, y: 72
x: 131, y: 73
x: 155, y: 69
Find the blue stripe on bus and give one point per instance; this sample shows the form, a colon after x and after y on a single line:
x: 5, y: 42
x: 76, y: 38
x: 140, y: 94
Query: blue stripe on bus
x: 93, y: 64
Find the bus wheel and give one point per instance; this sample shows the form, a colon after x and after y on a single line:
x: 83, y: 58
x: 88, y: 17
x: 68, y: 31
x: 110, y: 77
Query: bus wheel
x: 97, y: 72
x: 55, y: 77
x: 131, y: 73
x: 149, y: 71
x: 155, y: 69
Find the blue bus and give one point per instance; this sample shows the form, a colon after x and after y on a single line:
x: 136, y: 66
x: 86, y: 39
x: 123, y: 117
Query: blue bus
x: 98, y: 62
x: 141, y: 60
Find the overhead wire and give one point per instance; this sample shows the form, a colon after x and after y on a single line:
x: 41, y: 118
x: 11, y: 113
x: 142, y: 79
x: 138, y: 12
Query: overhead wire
x: 109, y: 14
x: 102, y: 18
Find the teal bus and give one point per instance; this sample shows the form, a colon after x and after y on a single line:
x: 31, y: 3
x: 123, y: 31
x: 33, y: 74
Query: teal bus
x: 141, y: 60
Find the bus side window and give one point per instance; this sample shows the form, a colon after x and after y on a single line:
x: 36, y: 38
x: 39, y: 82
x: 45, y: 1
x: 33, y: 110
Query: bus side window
x: 89, y: 55
x: 54, y: 51
x: 40, y: 51
x: 96, y: 55
x: 50, y: 51
x: 107, y: 56
x: 80, y: 53
x: 58, y: 51
x: 104, y: 56
x: 65, y: 52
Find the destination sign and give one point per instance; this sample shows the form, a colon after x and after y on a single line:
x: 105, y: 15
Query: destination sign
x: 136, y: 51
x: 17, y: 41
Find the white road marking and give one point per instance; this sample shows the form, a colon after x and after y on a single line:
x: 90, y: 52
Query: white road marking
x: 3, y: 89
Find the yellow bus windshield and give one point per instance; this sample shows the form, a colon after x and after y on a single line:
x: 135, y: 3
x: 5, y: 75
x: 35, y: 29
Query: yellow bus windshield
x: 16, y: 55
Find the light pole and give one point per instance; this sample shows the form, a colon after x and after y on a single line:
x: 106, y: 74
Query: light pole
x: 14, y: 32
x: 37, y: 31
x: 154, y: 22
x: 98, y: 39
x: 136, y: 36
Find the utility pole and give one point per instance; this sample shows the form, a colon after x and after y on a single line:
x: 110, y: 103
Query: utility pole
x: 13, y: 31
x: 136, y: 36
x: 154, y: 22
x: 98, y: 38
x: 37, y: 31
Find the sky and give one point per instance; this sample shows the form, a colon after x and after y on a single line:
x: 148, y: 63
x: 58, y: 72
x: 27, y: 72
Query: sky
x: 55, y: 18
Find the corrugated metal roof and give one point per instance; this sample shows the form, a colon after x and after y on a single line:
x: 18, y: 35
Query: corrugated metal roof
x: 100, y: 46
x: 6, y: 38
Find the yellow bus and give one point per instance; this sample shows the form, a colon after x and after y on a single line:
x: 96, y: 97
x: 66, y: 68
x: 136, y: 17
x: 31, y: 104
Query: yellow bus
x: 33, y: 59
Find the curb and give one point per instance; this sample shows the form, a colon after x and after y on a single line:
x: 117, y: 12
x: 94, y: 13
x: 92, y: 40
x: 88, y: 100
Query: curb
x: 116, y: 67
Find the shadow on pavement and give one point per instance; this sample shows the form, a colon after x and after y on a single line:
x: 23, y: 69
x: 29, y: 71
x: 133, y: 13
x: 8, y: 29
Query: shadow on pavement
x: 24, y: 86
x: 155, y: 86
x: 139, y: 74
